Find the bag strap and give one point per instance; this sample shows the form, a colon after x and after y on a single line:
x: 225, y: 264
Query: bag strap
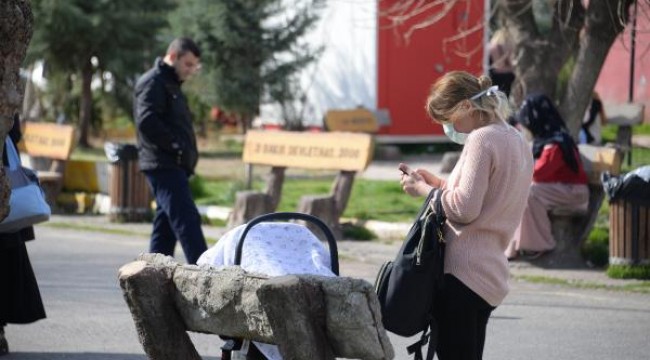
x: 433, y: 340
x: 437, y: 206
x: 430, y: 336
x: 427, y: 204
x: 416, y: 347
x: 12, y: 155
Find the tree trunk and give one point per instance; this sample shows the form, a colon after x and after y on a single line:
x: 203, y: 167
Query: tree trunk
x: 86, y: 104
x: 539, y: 57
x: 602, y: 27
x: 16, y: 21
x: 587, y: 34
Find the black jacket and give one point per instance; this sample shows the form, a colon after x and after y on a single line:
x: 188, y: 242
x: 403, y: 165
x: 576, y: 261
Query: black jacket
x: 163, y: 121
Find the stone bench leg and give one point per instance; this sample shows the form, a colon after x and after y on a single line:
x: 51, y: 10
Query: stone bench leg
x: 248, y: 205
x: 324, y: 208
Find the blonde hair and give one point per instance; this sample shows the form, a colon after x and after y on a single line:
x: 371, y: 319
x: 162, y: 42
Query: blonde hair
x: 456, y: 89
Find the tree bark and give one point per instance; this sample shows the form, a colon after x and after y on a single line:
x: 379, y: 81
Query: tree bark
x: 16, y: 21
x: 602, y: 27
x: 586, y: 33
x: 539, y: 57
x: 86, y: 104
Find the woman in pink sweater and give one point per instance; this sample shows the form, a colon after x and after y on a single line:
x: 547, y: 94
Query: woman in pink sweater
x: 483, y: 198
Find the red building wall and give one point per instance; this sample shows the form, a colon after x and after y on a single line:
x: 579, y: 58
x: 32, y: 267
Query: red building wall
x: 614, y: 80
x: 406, y: 68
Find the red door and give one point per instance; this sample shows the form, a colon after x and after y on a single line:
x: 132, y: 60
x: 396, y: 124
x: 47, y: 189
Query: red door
x: 408, y: 65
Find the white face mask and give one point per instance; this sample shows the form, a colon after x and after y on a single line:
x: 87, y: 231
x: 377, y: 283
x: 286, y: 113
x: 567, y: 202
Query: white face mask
x: 455, y: 136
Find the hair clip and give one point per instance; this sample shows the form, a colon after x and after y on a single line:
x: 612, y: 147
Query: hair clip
x: 492, y: 90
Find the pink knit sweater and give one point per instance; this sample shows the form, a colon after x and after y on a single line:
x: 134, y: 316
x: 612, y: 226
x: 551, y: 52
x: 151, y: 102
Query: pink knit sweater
x: 484, y: 199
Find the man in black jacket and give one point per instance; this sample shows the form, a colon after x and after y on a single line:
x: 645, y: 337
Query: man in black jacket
x: 167, y: 149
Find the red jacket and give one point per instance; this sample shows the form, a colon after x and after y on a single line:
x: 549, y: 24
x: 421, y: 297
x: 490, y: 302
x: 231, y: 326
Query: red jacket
x: 550, y: 167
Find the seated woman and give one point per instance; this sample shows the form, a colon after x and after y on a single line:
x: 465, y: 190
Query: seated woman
x: 273, y: 249
x: 559, y: 179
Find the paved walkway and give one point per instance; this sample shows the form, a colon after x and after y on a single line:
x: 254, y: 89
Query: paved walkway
x: 365, y: 257
x: 89, y: 320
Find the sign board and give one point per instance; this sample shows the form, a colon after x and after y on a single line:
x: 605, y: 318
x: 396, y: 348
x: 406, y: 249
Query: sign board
x: 624, y: 114
x: 326, y: 151
x: 357, y: 120
x: 600, y: 159
x: 47, y: 140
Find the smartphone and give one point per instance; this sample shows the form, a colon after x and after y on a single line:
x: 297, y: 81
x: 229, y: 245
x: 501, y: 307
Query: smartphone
x: 405, y: 169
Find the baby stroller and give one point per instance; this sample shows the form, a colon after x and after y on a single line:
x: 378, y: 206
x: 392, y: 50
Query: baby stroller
x: 275, y: 250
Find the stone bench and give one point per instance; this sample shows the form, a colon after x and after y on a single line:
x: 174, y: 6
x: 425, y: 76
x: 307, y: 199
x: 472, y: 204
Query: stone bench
x: 307, y: 316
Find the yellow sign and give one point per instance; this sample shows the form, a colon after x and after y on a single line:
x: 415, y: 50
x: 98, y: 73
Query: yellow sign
x: 600, y: 159
x: 48, y: 140
x: 327, y: 151
x: 358, y: 120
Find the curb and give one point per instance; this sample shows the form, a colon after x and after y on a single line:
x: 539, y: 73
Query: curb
x: 383, y: 230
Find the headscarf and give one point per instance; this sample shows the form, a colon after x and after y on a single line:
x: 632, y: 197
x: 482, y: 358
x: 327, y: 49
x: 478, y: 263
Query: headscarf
x: 539, y: 115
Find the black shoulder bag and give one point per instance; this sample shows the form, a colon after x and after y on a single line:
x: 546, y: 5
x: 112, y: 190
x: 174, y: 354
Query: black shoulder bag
x: 407, y: 286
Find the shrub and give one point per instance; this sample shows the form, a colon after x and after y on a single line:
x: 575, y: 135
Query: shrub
x: 629, y: 272
x: 197, y: 186
x: 356, y: 232
x: 596, y: 248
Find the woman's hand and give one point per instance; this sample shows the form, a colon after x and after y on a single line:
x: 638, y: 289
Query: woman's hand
x: 412, y: 182
x: 430, y: 179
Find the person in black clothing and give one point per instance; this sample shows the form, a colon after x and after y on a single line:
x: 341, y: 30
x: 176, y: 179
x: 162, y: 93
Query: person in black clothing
x: 501, y: 69
x: 20, y: 302
x: 592, y: 123
x: 167, y: 149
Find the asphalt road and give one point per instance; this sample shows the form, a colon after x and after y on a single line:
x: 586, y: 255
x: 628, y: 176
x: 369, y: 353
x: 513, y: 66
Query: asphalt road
x: 89, y: 320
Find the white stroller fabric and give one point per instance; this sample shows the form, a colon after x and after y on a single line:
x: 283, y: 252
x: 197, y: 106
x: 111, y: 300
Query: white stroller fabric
x: 273, y: 249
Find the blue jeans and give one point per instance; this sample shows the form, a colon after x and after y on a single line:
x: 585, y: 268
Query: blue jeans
x: 176, y: 215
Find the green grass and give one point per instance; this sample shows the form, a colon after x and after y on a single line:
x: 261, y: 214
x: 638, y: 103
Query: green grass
x: 608, y: 132
x: 220, y: 192
x: 640, y: 156
x: 357, y: 232
x: 89, y: 154
x: 369, y: 200
x: 596, y: 248
x: 638, y: 287
x: 629, y: 272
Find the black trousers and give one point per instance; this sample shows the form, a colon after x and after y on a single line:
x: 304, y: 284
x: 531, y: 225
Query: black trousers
x: 176, y: 215
x: 462, y: 319
x: 20, y: 302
